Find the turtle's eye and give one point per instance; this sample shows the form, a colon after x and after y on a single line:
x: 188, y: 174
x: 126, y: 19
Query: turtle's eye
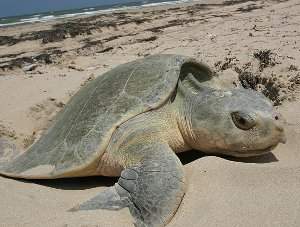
x: 242, y: 120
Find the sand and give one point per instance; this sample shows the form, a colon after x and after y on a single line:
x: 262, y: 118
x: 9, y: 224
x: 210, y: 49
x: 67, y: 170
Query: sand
x: 248, y: 43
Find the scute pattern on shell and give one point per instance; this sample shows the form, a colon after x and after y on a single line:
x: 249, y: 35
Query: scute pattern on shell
x: 82, y: 130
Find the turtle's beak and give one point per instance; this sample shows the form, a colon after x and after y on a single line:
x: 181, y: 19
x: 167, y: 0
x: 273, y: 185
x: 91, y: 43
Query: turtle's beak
x: 279, y: 122
x: 280, y: 130
x: 283, y: 139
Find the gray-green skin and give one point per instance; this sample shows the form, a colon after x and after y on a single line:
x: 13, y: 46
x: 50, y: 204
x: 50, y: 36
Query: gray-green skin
x: 132, y: 120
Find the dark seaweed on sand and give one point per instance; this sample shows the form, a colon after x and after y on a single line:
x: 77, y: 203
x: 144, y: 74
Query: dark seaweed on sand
x: 253, y: 81
x: 265, y: 58
x: 43, y: 58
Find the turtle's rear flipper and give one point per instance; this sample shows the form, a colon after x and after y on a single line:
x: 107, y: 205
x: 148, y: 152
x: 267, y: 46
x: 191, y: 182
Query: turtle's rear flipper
x: 108, y: 199
x: 152, y: 190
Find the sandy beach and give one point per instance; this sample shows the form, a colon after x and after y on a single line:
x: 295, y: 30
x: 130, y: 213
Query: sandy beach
x: 250, y: 44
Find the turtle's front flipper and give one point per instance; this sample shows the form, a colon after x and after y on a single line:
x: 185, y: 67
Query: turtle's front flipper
x: 152, y: 190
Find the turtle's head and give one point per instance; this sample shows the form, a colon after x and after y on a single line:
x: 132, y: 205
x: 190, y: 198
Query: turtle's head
x: 235, y: 122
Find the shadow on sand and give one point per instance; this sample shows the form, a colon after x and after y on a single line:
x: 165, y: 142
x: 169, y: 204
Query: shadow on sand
x: 82, y: 183
x: 190, y: 156
x: 76, y: 183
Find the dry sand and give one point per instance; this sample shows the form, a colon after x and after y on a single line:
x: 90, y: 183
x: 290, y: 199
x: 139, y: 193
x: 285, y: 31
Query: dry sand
x: 249, y: 43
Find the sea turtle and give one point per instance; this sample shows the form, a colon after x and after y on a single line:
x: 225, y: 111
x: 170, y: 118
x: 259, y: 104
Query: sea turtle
x: 132, y: 120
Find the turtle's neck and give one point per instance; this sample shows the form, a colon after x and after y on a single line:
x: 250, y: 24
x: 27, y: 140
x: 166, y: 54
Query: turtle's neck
x: 156, y: 126
x: 182, y: 110
x: 146, y: 129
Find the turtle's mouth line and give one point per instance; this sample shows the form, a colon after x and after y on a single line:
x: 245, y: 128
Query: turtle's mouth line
x: 256, y: 152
